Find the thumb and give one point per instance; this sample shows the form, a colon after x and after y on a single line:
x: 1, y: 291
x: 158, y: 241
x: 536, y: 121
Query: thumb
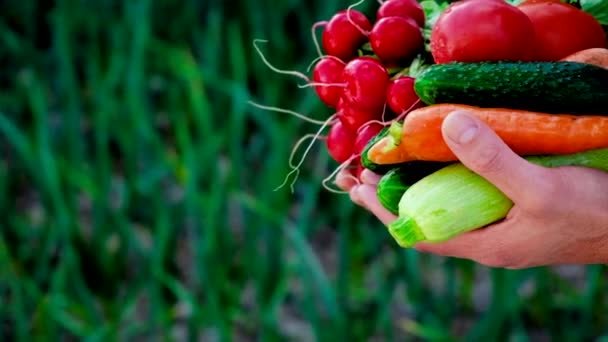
x: 480, y: 149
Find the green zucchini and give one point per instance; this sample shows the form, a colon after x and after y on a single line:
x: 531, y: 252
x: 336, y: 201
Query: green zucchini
x: 395, y: 182
x: 551, y: 87
x: 455, y: 200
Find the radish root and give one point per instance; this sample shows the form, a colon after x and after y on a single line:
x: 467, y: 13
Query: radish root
x: 384, y: 112
x: 297, y: 146
x: 314, y: 35
x: 295, y: 169
x: 287, y: 111
x: 405, y: 112
x: 365, y: 33
x: 272, y: 67
x: 342, y: 166
x: 316, y: 60
x: 312, y: 64
x: 382, y: 121
x: 317, y: 84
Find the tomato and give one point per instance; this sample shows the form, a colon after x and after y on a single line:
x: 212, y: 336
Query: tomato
x: 481, y: 30
x: 562, y: 29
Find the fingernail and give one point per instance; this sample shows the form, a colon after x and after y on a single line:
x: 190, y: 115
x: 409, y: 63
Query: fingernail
x: 460, y: 128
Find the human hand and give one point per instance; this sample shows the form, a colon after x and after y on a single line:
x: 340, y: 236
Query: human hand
x: 560, y: 215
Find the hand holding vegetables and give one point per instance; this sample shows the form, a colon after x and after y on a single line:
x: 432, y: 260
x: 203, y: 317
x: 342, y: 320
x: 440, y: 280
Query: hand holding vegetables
x: 405, y: 90
x: 560, y: 215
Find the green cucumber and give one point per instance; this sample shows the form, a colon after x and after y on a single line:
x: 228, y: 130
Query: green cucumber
x: 551, y: 87
x: 391, y: 188
x: 395, y: 182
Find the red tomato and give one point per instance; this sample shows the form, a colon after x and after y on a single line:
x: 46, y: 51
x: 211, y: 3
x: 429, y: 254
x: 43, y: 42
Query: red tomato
x: 562, y: 29
x: 481, y: 30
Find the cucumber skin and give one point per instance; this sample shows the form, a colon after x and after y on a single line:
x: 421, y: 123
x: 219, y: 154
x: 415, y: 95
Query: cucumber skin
x: 395, y: 182
x: 550, y: 87
x: 391, y: 188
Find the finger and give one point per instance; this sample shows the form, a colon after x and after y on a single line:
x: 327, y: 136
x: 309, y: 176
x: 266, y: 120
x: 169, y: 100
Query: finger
x: 475, y: 245
x: 462, y: 246
x: 369, y: 177
x: 345, y: 180
x: 366, y: 195
x: 481, y: 150
x: 354, y: 196
x: 502, y: 244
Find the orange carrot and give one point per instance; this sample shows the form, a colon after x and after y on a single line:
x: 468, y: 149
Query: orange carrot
x: 527, y: 133
x: 595, y: 56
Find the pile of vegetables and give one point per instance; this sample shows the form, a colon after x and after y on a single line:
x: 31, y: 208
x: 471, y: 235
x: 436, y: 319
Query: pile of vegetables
x: 535, y: 71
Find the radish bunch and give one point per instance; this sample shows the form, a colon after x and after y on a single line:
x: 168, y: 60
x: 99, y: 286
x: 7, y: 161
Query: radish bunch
x: 363, y: 74
x: 360, y: 75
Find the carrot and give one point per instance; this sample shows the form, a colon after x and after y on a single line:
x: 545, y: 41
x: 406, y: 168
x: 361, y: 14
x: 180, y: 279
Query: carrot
x: 526, y: 132
x: 595, y: 56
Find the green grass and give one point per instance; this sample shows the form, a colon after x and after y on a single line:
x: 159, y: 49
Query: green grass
x: 137, y: 194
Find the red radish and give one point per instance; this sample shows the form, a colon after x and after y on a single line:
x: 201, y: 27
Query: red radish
x: 329, y: 71
x: 358, y: 169
x: 340, y: 142
x: 366, y: 81
x: 396, y: 38
x: 401, y: 96
x: 341, y: 38
x: 402, y: 8
x: 352, y: 118
x: 364, y: 135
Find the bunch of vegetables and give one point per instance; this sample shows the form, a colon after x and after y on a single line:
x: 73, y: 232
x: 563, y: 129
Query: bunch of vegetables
x: 535, y: 71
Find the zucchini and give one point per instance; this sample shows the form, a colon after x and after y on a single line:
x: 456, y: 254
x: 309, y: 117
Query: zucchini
x: 395, y: 182
x: 551, y: 87
x: 455, y: 200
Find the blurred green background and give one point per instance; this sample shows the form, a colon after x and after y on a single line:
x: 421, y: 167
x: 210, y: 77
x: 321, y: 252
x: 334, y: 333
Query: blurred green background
x: 137, y: 195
